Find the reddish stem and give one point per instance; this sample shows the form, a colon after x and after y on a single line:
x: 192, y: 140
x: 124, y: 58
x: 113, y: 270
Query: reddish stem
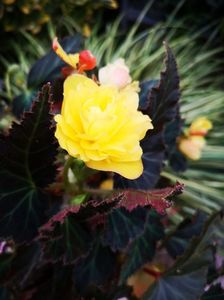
x: 153, y: 273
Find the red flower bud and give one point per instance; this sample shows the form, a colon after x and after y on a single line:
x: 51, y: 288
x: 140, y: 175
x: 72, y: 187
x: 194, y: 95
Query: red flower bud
x: 86, y: 60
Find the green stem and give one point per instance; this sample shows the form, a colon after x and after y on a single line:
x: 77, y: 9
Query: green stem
x: 67, y: 166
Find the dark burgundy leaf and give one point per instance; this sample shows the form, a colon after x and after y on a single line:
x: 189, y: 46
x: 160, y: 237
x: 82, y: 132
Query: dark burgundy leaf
x: 111, y: 292
x: 143, y: 248
x: 163, y: 99
x: 215, y: 292
x: 64, y: 237
x: 176, y: 159
x: 5, y: 294
x: 26, y: 168
x: 145, y: 89
x: 19, y: 264
x: 123, y: 226
x: 178, y: 241
x: 94, y: 269
x: 179, y: 287
x: 158, y: 198
x: 130, y: 215
x: 172, y: 131
x: 188, y: 276
x: 54, y: 285
x: 68, y: 235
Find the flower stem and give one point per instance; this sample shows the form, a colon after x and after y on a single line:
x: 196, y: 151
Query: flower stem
x: 67, y: 166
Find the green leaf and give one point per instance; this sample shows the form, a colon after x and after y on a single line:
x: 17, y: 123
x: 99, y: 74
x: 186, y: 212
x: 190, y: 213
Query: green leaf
x: 26, y: 169
x: 79, y: 199
x: 142, y: 250
x: 187, y: 278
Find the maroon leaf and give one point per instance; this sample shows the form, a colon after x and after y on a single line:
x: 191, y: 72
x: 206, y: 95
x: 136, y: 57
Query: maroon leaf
x: 127, y: 219
x: 158, y: 199
x: 26, y: 168
x: 69, y: 235
x: 64, y: 237
x: 19, y: 263
x: 162, y: 101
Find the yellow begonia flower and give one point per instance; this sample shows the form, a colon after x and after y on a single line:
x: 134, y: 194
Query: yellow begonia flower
x: 193, y: 142
x: 200, y: 126
x: 102, y: 126
x: 70, y: 59
x: 192, y: 146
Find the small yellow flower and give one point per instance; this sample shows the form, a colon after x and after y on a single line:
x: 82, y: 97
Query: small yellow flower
x: 193, y: 142
x: 86, y: 30
x: 101, y: 126
x: 192, y: 146
x: 200, y: 126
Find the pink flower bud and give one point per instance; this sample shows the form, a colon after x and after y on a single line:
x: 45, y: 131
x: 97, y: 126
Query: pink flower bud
x: 116, y: 74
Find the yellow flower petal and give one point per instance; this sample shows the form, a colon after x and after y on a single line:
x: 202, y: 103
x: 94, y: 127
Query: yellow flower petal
x: 192, y: 146
x: 70, y: 59
x: 129, y: 170
x: 200, y: 126
x: 102, y: 126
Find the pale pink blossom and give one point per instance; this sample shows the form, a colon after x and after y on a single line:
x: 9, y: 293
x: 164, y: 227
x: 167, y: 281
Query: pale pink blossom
x: 116, y: 73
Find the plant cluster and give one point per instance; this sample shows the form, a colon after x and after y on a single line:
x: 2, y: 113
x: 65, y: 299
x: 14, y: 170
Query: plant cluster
x: 64, y: 232
x: 32, y: 15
